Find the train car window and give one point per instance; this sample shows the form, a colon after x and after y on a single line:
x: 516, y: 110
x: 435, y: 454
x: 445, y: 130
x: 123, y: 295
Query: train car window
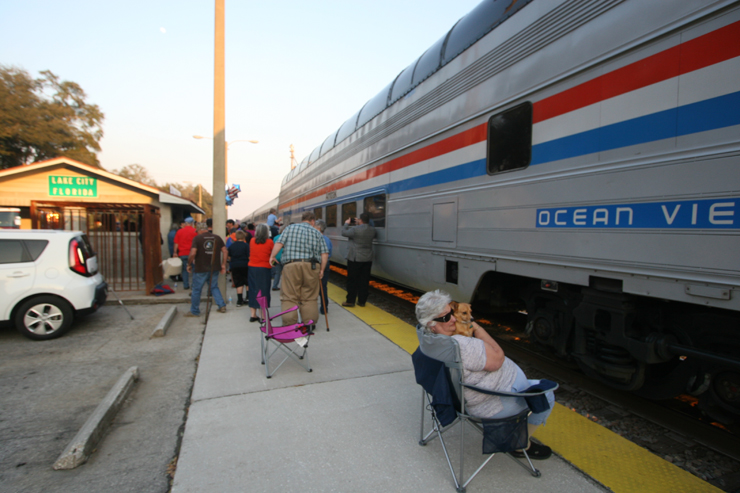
x: 375, y: 207
x: 331, y: 216
x: 477, y: 23
x: 375, y: 106
x: 349, y: 211
x: 314, y: 156
x: 318, y: 212
x: 328, y: 143
x: 510, y: 139
x: 403, y: 82
x: 429, y: 62
x: 347, y: 128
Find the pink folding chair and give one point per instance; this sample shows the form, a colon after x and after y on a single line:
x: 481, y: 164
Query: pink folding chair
x: 292, y: 340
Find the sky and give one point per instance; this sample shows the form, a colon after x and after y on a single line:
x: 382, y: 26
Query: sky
x: 295, y: 71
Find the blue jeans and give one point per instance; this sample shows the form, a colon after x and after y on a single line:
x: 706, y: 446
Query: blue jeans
x: 184, y: 274
x: 199, y: 280
x: 277, y: 270
x: 513, y: 406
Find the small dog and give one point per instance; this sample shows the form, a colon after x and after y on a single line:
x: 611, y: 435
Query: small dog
x: 463, y: 318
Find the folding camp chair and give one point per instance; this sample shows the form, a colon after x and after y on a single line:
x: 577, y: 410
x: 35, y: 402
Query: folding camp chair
x: 292, y: 340
x: 438, y: 369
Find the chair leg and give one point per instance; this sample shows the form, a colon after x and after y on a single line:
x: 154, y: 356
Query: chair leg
x: 423, y: 408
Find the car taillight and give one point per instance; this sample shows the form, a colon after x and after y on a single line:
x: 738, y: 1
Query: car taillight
x: 77, y: 258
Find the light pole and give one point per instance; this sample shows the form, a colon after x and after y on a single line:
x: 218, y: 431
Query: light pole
x: 226, y: 152
x: 200, y: 197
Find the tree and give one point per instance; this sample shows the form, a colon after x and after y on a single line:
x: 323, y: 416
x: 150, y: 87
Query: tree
x: 46, y: 118
x: 136, y: 172
x: 192, y: 192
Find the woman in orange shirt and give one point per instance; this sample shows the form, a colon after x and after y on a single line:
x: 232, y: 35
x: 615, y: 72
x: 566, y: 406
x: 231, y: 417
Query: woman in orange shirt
x: 259, y: 278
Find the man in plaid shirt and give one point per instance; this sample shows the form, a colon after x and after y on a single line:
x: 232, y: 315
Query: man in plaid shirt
x: 304, y: 258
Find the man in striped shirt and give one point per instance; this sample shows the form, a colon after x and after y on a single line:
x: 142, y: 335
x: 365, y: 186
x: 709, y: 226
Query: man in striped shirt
x: 304, y: 259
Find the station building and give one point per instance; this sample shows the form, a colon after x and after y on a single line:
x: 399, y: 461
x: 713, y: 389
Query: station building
x: 126, y: 221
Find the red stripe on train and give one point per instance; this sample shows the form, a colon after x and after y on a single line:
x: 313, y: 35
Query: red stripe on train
x: 717, y: 46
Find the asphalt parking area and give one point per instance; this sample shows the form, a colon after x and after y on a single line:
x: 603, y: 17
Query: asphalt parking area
x: 50, y: 388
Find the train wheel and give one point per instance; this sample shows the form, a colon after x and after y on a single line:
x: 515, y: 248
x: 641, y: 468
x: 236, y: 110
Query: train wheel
x: 667, y: 380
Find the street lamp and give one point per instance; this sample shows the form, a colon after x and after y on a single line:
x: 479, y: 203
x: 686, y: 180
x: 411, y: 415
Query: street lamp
x: 226, y: 152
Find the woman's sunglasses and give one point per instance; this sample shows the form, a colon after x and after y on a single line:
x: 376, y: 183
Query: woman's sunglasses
x: 444, y: 318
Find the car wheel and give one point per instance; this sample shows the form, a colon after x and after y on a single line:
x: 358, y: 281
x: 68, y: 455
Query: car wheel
x: 43, y: 317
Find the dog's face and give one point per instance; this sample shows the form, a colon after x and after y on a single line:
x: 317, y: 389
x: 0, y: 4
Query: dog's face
x: 463, y: 311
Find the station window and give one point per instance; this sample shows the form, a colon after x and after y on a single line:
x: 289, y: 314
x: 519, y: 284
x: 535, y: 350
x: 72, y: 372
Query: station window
x: 510, y: 139
x: 375, y: 207
x: 349, y: 211
x: 331, y: 216
x: 318, y: 212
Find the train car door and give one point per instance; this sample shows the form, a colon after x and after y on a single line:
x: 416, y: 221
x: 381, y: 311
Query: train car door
x: 444, y: 223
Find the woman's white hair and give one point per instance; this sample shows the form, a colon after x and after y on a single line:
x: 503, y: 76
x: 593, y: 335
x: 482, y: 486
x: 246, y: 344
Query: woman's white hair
x: 261, y: 234
x: 431, y: 305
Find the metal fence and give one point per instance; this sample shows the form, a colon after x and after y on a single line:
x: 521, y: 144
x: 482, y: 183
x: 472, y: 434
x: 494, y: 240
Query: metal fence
x: 126, y: 239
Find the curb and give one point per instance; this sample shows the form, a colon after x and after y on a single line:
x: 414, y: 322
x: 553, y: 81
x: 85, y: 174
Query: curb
x: 83, y: 444
x: 161, y: 329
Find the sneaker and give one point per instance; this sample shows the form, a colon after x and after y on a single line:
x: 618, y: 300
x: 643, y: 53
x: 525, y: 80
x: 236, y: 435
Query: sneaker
x: 254, y: 319
x: 222, y: 309
x: 535, y: 451
x: 348, y: 304
x: 240, y: 303
x: 191, y: 314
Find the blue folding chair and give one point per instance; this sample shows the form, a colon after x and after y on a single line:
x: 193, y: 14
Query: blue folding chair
x: 438, y: 369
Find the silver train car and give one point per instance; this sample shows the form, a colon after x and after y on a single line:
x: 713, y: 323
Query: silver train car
x: 575, y: 159
x: 260, y: 215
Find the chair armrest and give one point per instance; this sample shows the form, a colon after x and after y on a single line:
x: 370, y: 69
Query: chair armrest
x: 548, y: 385
x: 286, y: 311
x: 287, y: 328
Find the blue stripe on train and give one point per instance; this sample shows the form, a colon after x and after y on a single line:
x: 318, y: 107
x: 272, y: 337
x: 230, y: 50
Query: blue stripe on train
x: 705, y: 115
x: 711, y: 114
x: 460, y: 172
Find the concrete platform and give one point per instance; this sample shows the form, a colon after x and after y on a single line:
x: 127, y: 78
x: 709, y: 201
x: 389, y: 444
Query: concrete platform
x: 350, y: 425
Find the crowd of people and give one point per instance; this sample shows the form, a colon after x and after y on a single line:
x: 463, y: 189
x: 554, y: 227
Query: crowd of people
x: 292, y: 259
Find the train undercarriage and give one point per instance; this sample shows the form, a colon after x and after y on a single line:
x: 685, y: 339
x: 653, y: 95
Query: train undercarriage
x: 657, y: 349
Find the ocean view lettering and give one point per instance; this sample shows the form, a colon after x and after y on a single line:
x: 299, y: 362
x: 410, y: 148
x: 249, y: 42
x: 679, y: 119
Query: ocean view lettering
x: 687, y: 214
x: 73, y: 186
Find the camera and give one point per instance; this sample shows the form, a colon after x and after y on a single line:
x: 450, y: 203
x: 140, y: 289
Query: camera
x: 353, y: 221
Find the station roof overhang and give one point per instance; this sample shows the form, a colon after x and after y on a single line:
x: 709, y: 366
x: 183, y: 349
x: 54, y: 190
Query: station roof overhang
x: 163, y: 197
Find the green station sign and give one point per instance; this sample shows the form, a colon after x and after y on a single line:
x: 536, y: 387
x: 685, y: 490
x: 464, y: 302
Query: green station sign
x: 73, y: 186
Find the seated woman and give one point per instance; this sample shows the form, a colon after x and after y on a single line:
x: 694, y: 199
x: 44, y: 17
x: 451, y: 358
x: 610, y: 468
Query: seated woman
x: 485, y: 366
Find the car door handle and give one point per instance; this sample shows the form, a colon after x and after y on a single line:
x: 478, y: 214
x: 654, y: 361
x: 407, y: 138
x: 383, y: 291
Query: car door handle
x: 19, y: 274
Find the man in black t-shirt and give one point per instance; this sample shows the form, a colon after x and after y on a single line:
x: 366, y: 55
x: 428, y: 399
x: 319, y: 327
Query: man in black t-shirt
x: 207, y: 258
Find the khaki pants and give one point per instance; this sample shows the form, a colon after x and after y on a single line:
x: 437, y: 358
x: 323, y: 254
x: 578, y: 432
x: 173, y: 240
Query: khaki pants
x: 300, y: 286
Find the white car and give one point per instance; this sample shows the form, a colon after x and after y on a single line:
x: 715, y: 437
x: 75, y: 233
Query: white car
x: 47, y: 278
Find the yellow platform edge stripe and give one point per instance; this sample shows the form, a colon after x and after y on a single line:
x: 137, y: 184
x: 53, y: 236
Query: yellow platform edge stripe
x: 610, y: 459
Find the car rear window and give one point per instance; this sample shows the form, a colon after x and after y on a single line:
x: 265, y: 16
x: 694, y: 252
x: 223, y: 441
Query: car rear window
x: 12, y: 252
x: 85, y: 243
x: 36, y: 247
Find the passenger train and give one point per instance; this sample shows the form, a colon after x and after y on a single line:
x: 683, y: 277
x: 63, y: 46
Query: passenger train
x: 578, y: 160
x: 260, y: 215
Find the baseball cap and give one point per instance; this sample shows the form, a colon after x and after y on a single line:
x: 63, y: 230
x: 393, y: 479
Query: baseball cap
x: 189, y: 219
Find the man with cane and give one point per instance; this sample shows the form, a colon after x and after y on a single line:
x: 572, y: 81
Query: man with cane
x: 304, y: 260
x: 207, y: 258
x: 323, y: 299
